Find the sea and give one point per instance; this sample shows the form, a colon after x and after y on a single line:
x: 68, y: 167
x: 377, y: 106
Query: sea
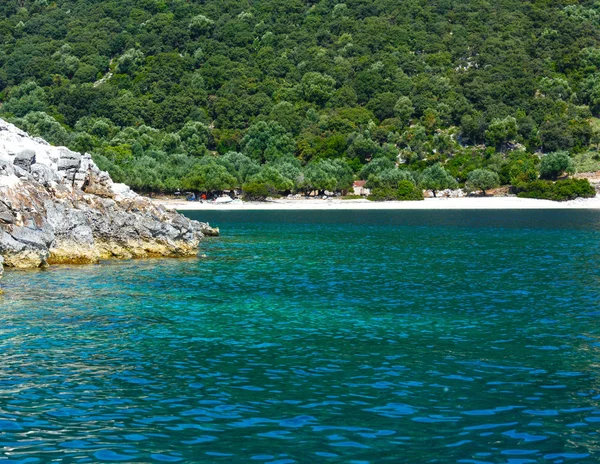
x: 316, y: 337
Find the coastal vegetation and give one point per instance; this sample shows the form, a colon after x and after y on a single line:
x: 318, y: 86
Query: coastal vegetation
x: 563, y: 190
x: 278, y: 97
x: 483, y: 179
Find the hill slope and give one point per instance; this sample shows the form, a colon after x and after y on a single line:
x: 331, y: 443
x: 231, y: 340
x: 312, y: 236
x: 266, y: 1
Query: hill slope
x: 153, y: 87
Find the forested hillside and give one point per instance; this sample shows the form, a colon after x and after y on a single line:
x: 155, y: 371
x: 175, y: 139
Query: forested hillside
x: 296, y: 95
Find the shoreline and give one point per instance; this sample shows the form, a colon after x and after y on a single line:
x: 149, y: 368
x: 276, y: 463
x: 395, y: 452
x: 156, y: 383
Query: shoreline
x: 473, y: 203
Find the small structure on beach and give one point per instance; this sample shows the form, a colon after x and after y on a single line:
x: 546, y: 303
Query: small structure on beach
x: 359, y: 188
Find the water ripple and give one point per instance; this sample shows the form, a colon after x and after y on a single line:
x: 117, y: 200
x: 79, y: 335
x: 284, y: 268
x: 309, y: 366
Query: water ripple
x: 349, y: 338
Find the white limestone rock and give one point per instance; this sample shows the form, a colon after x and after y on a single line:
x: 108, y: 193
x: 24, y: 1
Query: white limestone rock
x: 56, y: 207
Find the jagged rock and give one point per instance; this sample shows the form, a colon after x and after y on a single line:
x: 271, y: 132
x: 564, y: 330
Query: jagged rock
x: 448, y: 193
x: 69, y: 160
x: 43, y: 174
x: 57, y: 207
x: 6, y: 215
x: 25, y: 159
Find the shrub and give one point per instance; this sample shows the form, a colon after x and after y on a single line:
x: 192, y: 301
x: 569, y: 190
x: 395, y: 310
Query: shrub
x: 573, y: 188
x: 561, y: 190
x: 521, y: 170
x: 408, y: 191
x: 383, y: 194
x: 587, y: 162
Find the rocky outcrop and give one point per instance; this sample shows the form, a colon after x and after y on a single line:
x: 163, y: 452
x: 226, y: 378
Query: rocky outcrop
x: 57, y: 207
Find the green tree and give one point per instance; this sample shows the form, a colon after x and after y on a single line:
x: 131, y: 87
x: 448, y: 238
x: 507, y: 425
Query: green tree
x: 267, y: 141
x: 376, y: 166
x: 25, y: 98
x: 555, y: 164
x: 317, y: 88
x: 130, y: 61
x: 389, y: 178
x: 520, y: 169
x: 286, y: 115
x: 408, y: 191
x: 327, y: 175
x: 240, y: 166
x: 211, y: 177
x: 200, y: 24
x: 436, y: 178
x: 43, y: 125
x: 363, y: 148
x: 383, y: 105
x: 273, y: 178
x: 483, y: 179
x: 404, y: 109
x: 257, y: 191
x: 501, y: 131
x: 352, y: 81
x: 194, y: 137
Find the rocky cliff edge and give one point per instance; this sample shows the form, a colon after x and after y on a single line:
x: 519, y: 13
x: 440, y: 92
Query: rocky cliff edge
x: 57, y: 207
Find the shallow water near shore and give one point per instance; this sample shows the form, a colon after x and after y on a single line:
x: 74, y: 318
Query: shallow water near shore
x: 316, y: 337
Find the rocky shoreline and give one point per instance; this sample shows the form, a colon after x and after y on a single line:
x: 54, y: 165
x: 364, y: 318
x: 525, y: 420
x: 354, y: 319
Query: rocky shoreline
x: 57, y: 207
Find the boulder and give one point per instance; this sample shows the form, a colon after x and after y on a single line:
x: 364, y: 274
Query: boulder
x: 25, y: 159
x: 57, y: 207
x: 43, y: 174
x: 69, y: 160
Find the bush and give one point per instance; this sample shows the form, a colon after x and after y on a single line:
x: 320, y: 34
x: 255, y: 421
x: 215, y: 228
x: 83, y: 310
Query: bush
x: 383, y: 194
x: 573, y: 188
x: 406, y: 191
x: 520, y: 169
x: 587, y: 162
x: 561, y: 190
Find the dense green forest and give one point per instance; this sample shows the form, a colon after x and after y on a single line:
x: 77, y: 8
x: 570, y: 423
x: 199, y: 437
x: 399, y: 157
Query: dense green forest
x: 296, y: 95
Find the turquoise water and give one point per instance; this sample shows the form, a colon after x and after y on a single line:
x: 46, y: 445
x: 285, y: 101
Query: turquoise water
x: 317, y: 337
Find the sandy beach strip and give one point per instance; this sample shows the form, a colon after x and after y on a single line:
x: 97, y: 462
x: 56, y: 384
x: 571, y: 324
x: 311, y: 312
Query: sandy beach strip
x: 472, y: 203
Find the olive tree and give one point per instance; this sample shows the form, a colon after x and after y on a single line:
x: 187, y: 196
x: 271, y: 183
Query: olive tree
x: 436, y: 178
x: 390, y: 178
x: 323, y: 175
x: 376, y: 166
x: 554, y: 164
x: 483, y: 179
x: 210, y: 177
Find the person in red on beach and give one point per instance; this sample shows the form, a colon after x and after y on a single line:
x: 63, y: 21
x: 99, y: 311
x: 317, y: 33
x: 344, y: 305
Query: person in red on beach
x: 203, y: 197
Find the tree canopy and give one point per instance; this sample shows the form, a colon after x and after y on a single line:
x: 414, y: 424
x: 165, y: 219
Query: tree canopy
x: 151, y: 87
x: 483, y: 179
x: 436, y: 178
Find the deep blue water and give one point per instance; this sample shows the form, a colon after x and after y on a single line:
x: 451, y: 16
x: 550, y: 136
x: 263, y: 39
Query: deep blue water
x: 333, y: 337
